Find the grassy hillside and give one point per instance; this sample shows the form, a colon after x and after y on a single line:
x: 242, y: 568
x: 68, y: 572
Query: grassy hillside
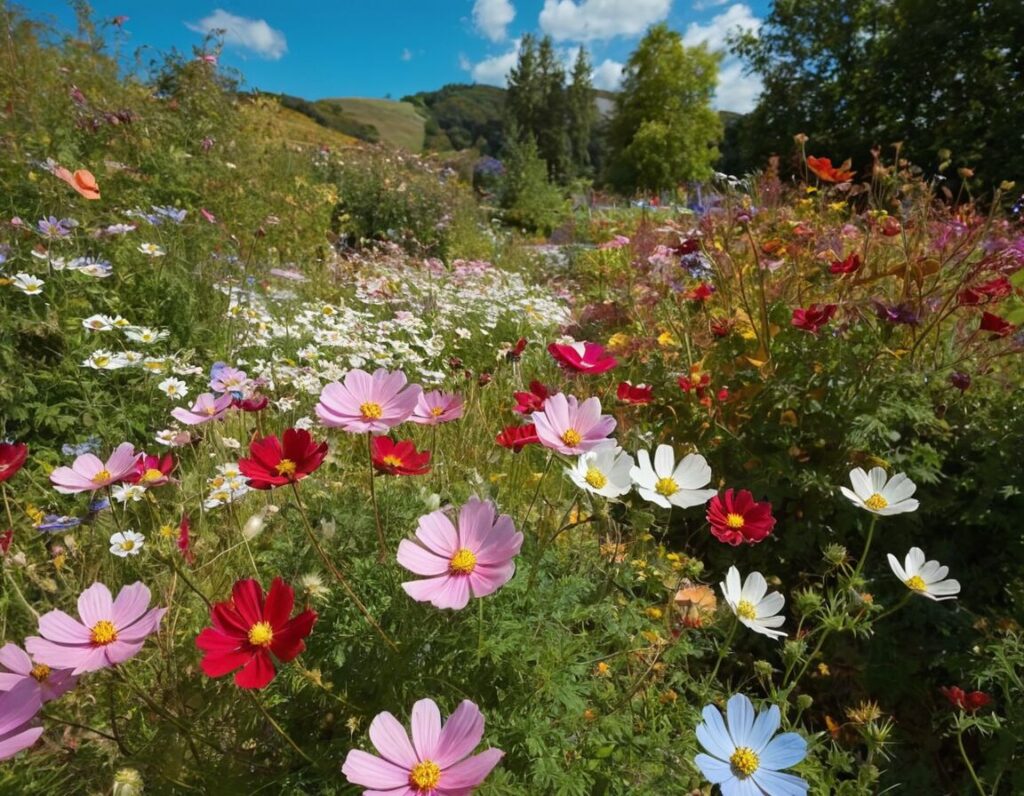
x: 397, y: 123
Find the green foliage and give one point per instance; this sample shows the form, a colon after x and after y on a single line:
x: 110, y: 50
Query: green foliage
x: 582, y: 114
x: 528, y: 197
x: 332, y: 116
x: 463, y: 116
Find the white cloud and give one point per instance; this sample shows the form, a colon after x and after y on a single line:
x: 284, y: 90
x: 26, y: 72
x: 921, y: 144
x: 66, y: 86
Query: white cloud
x: 608, y: 75
x: 254, y: 35
x: 494, y: 70
x: 492, y: 17
x: 406, y: 54
x: 704, y: 5
x: 586, y: 20
x: 735, y: 17
x: 735, y: 91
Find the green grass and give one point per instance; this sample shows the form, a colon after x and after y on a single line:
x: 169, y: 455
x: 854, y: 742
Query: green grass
x: 397, y: 122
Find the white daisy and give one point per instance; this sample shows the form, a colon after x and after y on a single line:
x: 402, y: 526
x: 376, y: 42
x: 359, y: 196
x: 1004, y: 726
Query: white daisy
x: 154, y: 364
x: 603, y: 472
x: 122, y: 493
x: 924, y: 577
x: 142, y: 334
x: 751, y: 603
x: 173, y: 388
x: 667, y: 484
x: 872, y: 492
x: 105, y: 360
x: 98, y: 323
x: 29, y: 285
x: 151, y: 249
x: 126, y: 543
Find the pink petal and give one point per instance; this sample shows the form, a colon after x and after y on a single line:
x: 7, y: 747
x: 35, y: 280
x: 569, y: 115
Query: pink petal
x: 392, y: 741
x: 486, y: 580
x: 359, y: 388
x: 475, y: 522
x: 373, y: 772
x: 13, y: 744
x: 142, y: 627
x: 131, y: 603
x: 19, y: 705
x: 87, y: 465
x: 15, y: 659
x: 68, y: 482
x: 436, y: 531
x: 94, y: 605
x: 8, y: 680
x: 94, y: 659
x: 58, y: 626
x: 420, y: 561
x: 460, y: 736
x: 120, y: 651
x: 426, y: 728
x: 471, y: 771
x: 122, y: 460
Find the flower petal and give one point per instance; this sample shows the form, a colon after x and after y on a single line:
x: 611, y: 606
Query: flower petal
x: 460, y: 735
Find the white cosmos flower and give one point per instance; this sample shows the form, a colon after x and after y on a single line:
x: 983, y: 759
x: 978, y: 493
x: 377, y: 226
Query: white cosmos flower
x: 142, y: 334
x: 29, y: 285
x: 668, y: 484
x: 173, y: 388
x: 105, y: 360
x: 873, y: 492
x: 98, y: 323
x: 751, y: 603
x: 926, y: 578
x: 151, y: 249
x: 603, y: 472
x: 126, y: 543
x: 122, y: 493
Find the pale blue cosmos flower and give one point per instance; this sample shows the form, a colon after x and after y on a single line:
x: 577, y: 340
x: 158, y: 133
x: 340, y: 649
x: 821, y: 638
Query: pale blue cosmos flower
x: 744, y: 759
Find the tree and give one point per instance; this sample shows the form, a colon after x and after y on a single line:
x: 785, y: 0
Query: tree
x: 664, y: 130
x: 581, y: 113
x: 550, y: 122
x: 523, y: 101
x: 528, y: 196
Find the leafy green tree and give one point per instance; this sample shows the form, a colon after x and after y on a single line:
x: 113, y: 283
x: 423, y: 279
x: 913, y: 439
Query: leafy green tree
x: 581, y: 113
x: 550, y: 123
x: 528, y: 196
x: 523, y: 100
x: 664, y: 130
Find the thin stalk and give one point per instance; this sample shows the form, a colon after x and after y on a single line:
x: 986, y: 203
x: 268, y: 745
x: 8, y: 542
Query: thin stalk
x: 724, y: 648
x: 967, y: 762
x: 382, y: 554
x: 867, y: 546
x: 278, y: 727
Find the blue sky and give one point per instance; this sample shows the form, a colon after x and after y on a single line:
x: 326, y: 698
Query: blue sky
x: 376, y: 48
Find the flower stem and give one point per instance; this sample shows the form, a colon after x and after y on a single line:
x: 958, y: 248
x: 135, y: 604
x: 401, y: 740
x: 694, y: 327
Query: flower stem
x: 967, y: 762
x: 724, y: 648
x: 382, y: 554
x: 278, y: 727
x: 867, y: 546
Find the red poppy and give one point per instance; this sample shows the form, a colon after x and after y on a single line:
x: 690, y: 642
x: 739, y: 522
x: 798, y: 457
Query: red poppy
x: 826, y: 171
x: 637, y: 395
x: 814, y: 317
x: 254, y: 403
x: 532, y: 401
x: 968, y: 702
x: 723, y: 395
x: 277, y: 462
x: 152, y: 471
x: 701, y: 293
x: 583, y: 357
x: 736, y: 517
x: 247, y: 630
x: 518, y: 437
x: 399, y: 458
x: 185, y: 540
x: 848, y: 266
x: 996, y: 325
x: 12, y: 458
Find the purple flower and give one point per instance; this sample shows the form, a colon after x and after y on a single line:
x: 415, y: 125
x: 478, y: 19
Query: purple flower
x: 898, y: 313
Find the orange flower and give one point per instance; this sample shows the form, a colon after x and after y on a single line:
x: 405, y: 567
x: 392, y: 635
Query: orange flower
x: 826, y: 171
x: 82, y: 181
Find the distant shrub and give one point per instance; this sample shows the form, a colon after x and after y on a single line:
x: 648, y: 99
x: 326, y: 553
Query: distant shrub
x: 529, y: 198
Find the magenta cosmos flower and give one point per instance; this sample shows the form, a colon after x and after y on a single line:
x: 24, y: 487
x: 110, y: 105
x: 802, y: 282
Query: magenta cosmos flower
x: 475, y: 558
x: 436, y: 762
x: 17, y: 708
x: 583, y: 357
x: 436, y: 407
x: 87, y: 473
x: 571, y: 427
x: 365, y: 403
x: 206, y: 408
x: 17, y: 667
x: 110, y: 631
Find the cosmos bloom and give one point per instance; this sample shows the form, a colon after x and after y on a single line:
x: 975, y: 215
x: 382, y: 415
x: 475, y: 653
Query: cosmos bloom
x: 152, y: 471
x: 185, y: 540
x: 744, y: 759
x: 399, y: 458
x: 751, y: 603
x: 969, y: 702
x: 126, y: 543
x: 436, y: 762
x: 826, y: 171
x: 635, y: 395
x: 12, y: 458
x: 518, y: 437
x: 927, y: 578
x: 365, y: 403
x: 435, y: 407
x: 109, y: 633
x: 848, y: 266
x: 736, y: 517
x: 16, y: 666
x: 29, y: 285
x: 17, y: 709
x: 473, y: 559
x: 668, y: 484
x: 814, y: 317
x: 206, y: 408
x: 875, y: 493
x: 697, y: 382
x: 248, y: 630
x: 998, y: 326
x: 583, y: 357
x: 82, y: 181
x: 224, y: 378
x: 605, y: 472
x: 990, y: 291
x: 532, y: 401
x: 279, y: 462
x: 571, y: 427
x: 701, y: 293
x: 87, y: 473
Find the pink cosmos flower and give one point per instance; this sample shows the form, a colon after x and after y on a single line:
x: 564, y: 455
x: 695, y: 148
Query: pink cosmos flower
x: 206, y: 408
x: 17, y: 667
x: 571, y: 427
x: 583, y: 357
x: 87, y: 473
x: 110, y: 631
x: 436, y: 762
x: 477, y: 557
x: 17, y: 708
x: 228, y: 379
x: 365, y: 403
x: 436, y: 407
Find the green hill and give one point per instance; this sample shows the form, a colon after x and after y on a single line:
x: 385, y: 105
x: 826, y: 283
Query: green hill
x: 396, y: 123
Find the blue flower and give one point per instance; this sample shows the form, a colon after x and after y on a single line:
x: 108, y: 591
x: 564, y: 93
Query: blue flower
x: 745, y: 760
x: 54, y: 523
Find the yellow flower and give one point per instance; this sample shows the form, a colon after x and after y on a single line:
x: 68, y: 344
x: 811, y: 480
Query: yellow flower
x: 602, y: 669
x: 167, y: 531
x: 666, y: 340
x: 837, y: 206
x: 654, y: 612
x: 618, y: 342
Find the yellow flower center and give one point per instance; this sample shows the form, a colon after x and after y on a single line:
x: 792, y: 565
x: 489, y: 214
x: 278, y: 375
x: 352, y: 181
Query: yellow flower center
x: 876, y: 502
x: 917, y: 583
x: 463, y: 562
x: 734, y: 520
x: 596, y: 478
x: 128, y: 544
x: 261, y: 634
x: 392, y: 460
x: 744, y: 762
x: 371, y: 411
x: 285, y: 467
x: 151, y: 475
x: 102, y: 361
x: 746, y: 609
x: 103, y: 633
x: 101, y: 476
x: 425, y: 775
x: 437, y: 411
x: 40, y: 672
x: 666, y: 487
x: 572, y: 438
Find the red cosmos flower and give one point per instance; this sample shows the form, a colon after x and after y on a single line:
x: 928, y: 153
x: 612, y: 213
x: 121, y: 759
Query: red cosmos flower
x: 826, y: 171
x: 697, y: 381
x: 12, y: 458
x: 996, y: 325
x: 277, y: 462
x: 254, y: 403
x: 5, y: 541
x: 518, y: 437
x: 399, y: 458
x: 688, y: 246
x: 185, y: 540
x: 992, y: 290
x: 736, y: 517
x: 891, y: 227
x: 246, y: 631
x: 516, y: 351
x: 638, y: 395
x: 583, y: 357
x: 967, y: 702
x: 152, y: 471
x: 814, y: 317
x: 721, y: 327
x: 532, y: 401
x: 848, y: 266
x: 701, y: 293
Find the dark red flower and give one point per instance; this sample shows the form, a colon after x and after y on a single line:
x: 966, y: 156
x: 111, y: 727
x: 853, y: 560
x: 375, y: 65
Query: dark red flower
x: 277, y: 462
x: 697, y: 381
x: 12, y: 458
x: 484, y: 379
x: 688, y: 246
x: 960, y: 380
x: 637, y: 395
x: 736, y: 517
x: 583, y: 357
x: 254, y: 403
x: 701, y: 293
x: 399, y: 458
x: 516, y: 351
x: 826, y: 171
x: 518, y: 437
x: 721, y: 327
x: 996, y: 325
x: 247, y: 631
x: 848, y: 266
x: 992, y: 290
x: 532, y: 401
x: 969, y: 702
x: 185, y: 540
x: 891, y: 227
x: 723, y: 395
x: 152, y: 471
x: 814, y: 317
x: 5, y: 541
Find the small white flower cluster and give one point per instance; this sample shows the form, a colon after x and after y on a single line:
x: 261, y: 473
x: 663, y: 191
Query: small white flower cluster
x: 228, y: 486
